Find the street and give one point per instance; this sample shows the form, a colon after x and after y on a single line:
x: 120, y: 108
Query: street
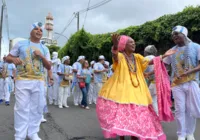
x: 73, y: 123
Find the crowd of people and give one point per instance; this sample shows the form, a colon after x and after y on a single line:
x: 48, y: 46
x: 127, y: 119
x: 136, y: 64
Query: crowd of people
x: 132, y: 95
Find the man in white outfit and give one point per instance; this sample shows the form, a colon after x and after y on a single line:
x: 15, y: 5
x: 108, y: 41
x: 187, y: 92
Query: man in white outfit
x: 53, y: 94
x: 99, y: 71
x: 31, y: 57
x: 10, y: 71
x: 150, y: 52
x: 2, y: 76
x: 75, y: 85
x: 65, y: 74
x: 185, y: 64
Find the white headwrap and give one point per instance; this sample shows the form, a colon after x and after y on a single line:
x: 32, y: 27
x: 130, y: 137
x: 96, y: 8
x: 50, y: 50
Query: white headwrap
x: 65, y: 58
x: 181, y: 29
x: 80, y: 57
x: 101, y: 57
x: 37, y: 24
x: 107, y: 63
x: 151, y: 49
x: 92, y: 62
x: 54, y: 55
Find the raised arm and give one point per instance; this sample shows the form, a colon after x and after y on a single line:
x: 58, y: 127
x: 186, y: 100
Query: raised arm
x: 115, y: 40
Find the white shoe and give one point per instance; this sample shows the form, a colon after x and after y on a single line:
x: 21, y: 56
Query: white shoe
x: 90, y: 103
x: 181, y: 138
x: 18, y: 139
x: 43, y: 120
x: 35, y: 137
x: 66, y: 106
x: 60, y: 106
x: 76, y: 104
x: 190, y: 137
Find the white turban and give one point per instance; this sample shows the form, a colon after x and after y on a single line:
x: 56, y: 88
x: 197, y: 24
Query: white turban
x: 65, y: 58
x: 181, y: 29
x: 101, y: 57
x: 37, y: 24
x: 80, y: 57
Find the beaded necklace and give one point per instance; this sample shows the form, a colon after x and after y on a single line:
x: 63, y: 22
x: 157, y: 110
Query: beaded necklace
x: 41, y: 68
x: 132, y: 68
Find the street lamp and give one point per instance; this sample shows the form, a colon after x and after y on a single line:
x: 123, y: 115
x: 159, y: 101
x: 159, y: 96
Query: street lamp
x: 61, y: 35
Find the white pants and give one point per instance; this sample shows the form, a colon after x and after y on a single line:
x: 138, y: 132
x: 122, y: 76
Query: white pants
x: 29, y: 105
x: 92, y: 94
x: 64, y: 93
x: 152, y: 89
x: 50, y: 94
x: 55, y: 87
x: 98, y: 87
x: 7, y: 88
x: 77, y: 94
x: 187, y: 105
x: 2, y: 89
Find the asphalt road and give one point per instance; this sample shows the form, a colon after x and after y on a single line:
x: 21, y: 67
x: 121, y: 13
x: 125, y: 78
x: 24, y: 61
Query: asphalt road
x: 73, y: 123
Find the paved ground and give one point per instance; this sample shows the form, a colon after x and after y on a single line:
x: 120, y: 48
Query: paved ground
x: 73, y: 123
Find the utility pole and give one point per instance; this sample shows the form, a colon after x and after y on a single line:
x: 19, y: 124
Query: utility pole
x: 1, y: 25
x: 77, y: 16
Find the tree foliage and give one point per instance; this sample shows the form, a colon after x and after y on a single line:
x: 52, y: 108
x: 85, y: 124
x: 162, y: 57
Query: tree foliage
x: 157, y: 32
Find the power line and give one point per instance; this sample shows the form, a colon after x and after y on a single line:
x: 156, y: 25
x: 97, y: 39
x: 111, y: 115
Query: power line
x: 69, y: 22
x: 76, y: 14
x: 86, y: 13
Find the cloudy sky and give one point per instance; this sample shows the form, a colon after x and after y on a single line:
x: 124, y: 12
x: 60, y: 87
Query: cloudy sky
x: 110, y: 17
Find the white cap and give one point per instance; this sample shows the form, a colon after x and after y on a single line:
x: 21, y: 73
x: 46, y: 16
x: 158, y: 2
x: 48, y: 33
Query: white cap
x: 101, y: 57
x: 80, y: 57
x: 65, y: 58
x: 92, y: 62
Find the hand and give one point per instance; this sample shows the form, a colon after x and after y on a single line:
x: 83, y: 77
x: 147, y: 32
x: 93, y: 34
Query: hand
x: 38, y: 53
x: 115, y: 40
x: 170, y: 52
x: 17, y: 61
x: 51, y: 82
x: 84, y: 77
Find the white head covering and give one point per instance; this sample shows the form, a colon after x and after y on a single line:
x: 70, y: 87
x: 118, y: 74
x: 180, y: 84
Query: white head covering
x: 92, y: 62
x: 65, y: 58
x: 181, y: 29
x: 37, y: 24
x: 54, y: 55
x: 80, y: 57
x: 107, y: 63
x: 101, y: 57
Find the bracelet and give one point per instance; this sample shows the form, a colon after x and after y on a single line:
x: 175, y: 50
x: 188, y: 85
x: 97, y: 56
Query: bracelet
x: 51, y: 79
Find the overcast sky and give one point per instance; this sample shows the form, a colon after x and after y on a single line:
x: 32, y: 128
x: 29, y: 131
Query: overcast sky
x: 110, y: 17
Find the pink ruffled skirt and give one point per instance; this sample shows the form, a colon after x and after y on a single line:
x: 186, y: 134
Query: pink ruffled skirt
x: 128, y: 120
